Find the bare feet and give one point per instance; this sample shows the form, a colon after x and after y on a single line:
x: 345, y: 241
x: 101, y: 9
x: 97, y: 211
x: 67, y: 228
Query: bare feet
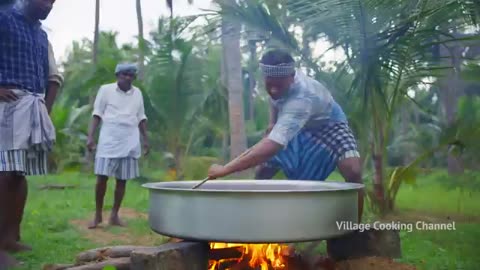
x: 115, y: 221
x: 96, y: 221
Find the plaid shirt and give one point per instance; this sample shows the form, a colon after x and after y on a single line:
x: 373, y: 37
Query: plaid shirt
x: 23, y: 52
x: 308, y: 105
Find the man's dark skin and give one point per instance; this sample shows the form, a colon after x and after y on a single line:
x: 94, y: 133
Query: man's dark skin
x: 124, y: 81
x: 13, y: 185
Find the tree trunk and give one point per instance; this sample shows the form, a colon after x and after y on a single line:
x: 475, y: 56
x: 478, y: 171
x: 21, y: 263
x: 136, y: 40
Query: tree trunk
x: 96, y: 34
x: 141, y: 41
x: 405, y: 120
x: 378, y: 159
x: 225, y: 146
x: 178, y: 163
x: 450, y: 91
x: 96, y: 37
x: 251, y: 77
x: 232, y: 56
x: 379, y: 190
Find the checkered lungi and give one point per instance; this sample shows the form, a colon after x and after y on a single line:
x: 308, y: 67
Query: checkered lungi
x: 120, y: 168
x: 314, y: 155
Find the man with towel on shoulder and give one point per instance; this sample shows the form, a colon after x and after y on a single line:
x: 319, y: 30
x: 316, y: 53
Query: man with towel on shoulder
x: 28, y: 86
x: 119, y: 107
x: 308, y: 135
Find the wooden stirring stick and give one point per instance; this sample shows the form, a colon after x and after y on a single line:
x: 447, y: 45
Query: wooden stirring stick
x: 208, y: 178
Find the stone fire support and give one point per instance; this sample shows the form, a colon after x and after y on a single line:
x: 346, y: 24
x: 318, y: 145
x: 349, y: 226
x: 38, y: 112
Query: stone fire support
x: 195, y: 255
x: 171, y: 256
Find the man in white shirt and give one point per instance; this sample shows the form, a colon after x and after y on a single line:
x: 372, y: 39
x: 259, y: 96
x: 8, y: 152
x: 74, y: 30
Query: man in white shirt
x: 119, y: 107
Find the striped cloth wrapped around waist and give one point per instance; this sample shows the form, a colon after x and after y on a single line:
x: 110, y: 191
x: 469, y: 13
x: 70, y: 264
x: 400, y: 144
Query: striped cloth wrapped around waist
x: 25, y: 123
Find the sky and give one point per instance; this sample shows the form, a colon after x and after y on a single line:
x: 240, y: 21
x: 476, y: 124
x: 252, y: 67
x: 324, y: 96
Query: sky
x: 74, y: 19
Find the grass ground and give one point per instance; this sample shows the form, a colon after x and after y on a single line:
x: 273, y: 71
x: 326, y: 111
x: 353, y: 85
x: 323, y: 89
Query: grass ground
x: 55, y: 223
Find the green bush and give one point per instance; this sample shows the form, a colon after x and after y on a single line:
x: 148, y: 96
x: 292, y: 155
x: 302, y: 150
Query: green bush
x: 196, y: 168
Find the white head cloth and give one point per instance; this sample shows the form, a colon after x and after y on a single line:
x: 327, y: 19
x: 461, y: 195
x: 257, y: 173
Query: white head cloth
x: 126, y: 67
x: 278, y: 71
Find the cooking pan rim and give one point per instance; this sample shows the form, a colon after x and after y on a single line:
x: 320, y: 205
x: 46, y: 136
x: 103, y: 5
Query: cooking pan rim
x: 349, y: 186
x: 255, y: 240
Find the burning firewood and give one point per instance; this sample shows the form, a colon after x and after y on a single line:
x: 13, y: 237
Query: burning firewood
x: 226, y: 264
x: 226, y: 253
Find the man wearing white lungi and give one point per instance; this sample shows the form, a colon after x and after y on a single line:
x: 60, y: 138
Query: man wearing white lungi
x: 119, y: 107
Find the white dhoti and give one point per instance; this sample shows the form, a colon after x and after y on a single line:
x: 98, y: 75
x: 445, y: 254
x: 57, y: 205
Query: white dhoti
x: 26, y: 134
x: 118, y: 151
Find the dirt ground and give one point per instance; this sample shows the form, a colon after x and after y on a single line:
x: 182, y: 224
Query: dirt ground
x: 106, y: 235
x: 373, y: 263
x: 109, y: 235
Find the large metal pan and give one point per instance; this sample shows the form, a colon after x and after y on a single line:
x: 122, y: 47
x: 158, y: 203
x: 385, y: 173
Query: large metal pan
x: 252, y: 211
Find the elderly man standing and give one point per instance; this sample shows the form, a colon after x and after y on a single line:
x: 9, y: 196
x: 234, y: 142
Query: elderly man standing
x: 27, y: 133
x: 119, y: 107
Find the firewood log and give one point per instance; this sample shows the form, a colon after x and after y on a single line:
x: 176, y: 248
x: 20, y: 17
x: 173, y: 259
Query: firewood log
x: 225, y: 253
x: 103, y: 253
x: 56, y: 186
x: 118, y: 263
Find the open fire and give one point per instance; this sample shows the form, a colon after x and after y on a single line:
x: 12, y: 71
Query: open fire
x: 248, y: 256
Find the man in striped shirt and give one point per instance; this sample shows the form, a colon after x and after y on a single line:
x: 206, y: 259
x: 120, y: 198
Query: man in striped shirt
x: 119, y: 108
x: 28, y: 87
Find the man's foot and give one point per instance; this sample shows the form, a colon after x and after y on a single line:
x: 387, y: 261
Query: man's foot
x: 6, y: 261
x: 115, y: 221
x: 96, y: 221
x: 17, y: 247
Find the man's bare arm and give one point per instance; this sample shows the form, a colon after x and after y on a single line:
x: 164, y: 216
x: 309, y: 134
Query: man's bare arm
x: 91, y: 132
x: 143, y: 131
x: 55, y: 79
x: 273, y: 114
x: 51, y: 95
x: 273, y: 118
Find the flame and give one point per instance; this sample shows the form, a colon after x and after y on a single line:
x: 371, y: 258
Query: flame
x: 259, y: 255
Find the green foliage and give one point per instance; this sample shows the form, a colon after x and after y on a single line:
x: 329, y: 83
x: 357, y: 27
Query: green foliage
x: 82, y: 77
x: 197, y: 167
x: 437, y: 192
x: 71, y: 134
x: 471, y: 71
x: 441, y: 250
x: 177, y: 87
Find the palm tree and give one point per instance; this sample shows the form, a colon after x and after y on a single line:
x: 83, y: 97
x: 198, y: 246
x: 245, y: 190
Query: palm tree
x: 387, y: 44
x: 232, y: 75
x: 141, y: 40
x: 234, y: 83
x: 174, y: 90
x: 96, y: 36
x: 96, y: 31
